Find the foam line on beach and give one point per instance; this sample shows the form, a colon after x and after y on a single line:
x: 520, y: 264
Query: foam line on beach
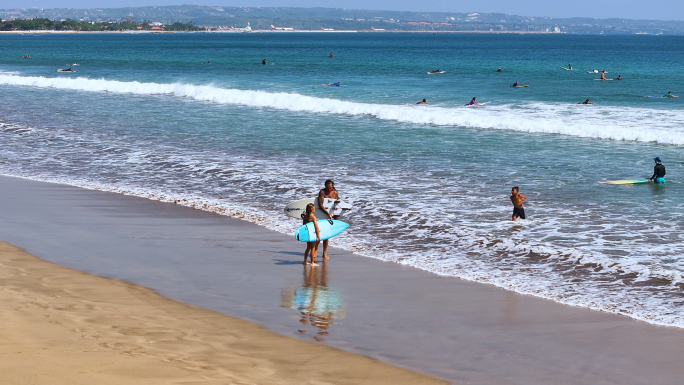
x: 535, y: 117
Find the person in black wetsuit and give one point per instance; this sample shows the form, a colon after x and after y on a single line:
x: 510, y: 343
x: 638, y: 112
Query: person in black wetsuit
x: 658, y: 171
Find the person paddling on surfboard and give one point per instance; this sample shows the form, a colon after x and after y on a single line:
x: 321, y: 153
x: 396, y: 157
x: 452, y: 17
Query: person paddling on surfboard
x: 658, y: 171
x: 422, y: 102
x: 472, y: 102
x: 311, y: 247
x: 670, y: 95
x: 327, y: 192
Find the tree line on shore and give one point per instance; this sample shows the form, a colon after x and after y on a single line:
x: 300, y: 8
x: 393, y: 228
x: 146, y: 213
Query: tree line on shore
x: 43, y: 24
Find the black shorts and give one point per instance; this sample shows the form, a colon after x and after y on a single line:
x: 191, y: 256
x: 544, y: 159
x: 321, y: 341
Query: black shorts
x: 519, y: 213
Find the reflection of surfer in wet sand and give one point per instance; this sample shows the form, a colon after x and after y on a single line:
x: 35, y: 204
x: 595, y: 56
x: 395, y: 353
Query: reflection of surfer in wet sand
x: 327, y: 192
x: 317, y: 303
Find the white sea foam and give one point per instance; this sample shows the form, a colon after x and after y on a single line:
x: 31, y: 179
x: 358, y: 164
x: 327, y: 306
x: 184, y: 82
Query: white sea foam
x: 604, y: 122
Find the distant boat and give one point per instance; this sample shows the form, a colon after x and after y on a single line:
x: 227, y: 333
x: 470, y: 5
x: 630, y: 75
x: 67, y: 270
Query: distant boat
x: 248, y: 28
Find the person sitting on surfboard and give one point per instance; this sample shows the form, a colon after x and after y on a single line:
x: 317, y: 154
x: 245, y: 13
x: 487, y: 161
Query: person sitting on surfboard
x: 570, y: 66
x: 517, y: 199
x: 603, y: 75
x: 422, y: 102
x: 515, y: 84
x: 658, y: 171
x: 327, y: 192
x: 472, y: 102
x: 311, y: 247
x: 585, y: 102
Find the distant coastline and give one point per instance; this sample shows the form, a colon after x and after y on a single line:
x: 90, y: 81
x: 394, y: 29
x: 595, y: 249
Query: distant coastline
x: 44, y: 32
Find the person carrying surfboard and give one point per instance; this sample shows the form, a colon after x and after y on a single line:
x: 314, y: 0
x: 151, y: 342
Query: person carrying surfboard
x: 658, y: 171
x: 517, y: 199
x: 311, y: 247
x: 327, y: 192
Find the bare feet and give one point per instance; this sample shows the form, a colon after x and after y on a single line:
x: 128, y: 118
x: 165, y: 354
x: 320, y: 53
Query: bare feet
x: 314, y: 264
x: 306, y: 263
x: 326, y: 256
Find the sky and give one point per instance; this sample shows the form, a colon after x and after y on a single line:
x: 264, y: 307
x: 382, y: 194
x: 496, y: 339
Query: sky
x: 601, y: 9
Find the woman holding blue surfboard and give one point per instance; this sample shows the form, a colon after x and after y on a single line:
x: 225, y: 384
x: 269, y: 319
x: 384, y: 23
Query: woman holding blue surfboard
x: 311, y: 247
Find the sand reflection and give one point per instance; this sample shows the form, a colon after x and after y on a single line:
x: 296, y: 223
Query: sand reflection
x: 318, y: 304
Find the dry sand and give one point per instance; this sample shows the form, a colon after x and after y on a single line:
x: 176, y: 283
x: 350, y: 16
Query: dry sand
x: 63, y: 326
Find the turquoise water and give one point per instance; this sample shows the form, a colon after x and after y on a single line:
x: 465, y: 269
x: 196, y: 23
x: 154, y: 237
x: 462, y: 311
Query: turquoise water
x: 144, y: 115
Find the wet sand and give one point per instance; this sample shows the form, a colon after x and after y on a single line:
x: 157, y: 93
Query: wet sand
x: 462, y: 331
x: 63, y: 326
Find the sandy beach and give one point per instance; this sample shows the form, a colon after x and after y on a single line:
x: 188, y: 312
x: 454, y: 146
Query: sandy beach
x: 63, y: 326
x: 92, y: 329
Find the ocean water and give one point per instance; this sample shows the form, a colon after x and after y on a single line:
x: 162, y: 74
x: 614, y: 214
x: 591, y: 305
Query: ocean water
x: 145, y: 115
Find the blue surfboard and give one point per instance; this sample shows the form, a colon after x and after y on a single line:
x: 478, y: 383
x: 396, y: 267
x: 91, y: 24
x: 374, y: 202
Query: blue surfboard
x: 327, y: 228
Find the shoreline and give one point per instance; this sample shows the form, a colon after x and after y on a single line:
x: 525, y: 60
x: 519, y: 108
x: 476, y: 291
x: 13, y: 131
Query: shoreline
x: 88, y: 329
x: 446, y: 327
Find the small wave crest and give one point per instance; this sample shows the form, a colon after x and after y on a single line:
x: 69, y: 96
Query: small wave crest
x: 634, y: 124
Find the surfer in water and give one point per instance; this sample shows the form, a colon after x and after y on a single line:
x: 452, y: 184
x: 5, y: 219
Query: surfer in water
x: 422, y: 102
x: 264, y: 62
x: 670, y: 95
x: 327, y: 192
x: 619, y: 77
x: 603, y: 75
x: 517, y: 199
x: 515, y: 84
x: 499, y: 70
x: 311, y: 247
x: 585, y: 102
x: 658, y: 171
x: 472, y: 102
x: 570, y: 67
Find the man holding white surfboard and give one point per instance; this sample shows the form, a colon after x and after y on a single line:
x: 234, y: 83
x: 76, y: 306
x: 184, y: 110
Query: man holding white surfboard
x: 327, y: 192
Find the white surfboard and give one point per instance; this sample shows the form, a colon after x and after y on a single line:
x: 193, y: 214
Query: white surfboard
x: 333, y: 206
